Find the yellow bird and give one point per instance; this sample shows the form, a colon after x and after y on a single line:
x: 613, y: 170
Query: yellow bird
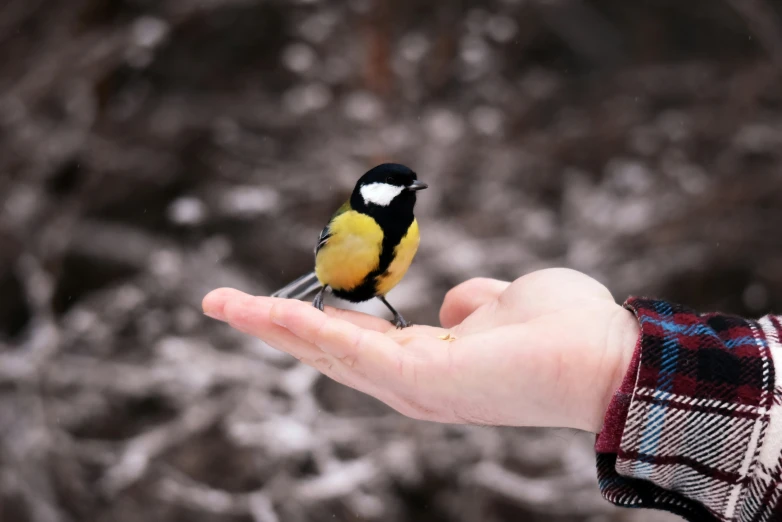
x: 369, y: 243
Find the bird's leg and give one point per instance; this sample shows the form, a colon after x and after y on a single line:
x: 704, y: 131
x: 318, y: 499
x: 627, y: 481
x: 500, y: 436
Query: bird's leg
x: 399, y: 321
x: 318, y: 302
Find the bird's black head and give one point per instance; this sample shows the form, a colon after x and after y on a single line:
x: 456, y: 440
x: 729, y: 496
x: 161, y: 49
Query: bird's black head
x: 387, y: 191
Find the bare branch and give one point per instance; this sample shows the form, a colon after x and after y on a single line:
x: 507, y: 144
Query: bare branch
x: 139, y: 451
x: 764, y: 24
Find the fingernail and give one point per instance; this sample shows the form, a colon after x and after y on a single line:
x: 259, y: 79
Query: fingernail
x: 216, y: 316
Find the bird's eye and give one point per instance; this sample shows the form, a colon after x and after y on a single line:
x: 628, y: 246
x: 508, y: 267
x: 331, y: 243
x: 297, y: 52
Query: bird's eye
x: 391, y: 179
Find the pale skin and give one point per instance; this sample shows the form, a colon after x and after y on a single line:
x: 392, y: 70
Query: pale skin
x: 548, y: 349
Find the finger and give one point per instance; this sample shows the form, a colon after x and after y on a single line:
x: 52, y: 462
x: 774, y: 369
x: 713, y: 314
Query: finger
x: 464, y: 299
x: 360, y: 319
x: 394, y: 367
x: 214, y: 302
x: 349, y: 342
x: 368, y: 351
x: 250, y: 315
x: 308, y: 334
x: 361, y: 358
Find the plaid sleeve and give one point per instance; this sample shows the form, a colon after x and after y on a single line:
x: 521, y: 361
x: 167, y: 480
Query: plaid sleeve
x: 696, y: 426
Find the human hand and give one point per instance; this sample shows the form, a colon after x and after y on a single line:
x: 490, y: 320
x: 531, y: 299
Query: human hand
x: 548, y: 349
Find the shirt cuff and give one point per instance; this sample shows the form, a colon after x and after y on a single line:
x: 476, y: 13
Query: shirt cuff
x: 694, y: 429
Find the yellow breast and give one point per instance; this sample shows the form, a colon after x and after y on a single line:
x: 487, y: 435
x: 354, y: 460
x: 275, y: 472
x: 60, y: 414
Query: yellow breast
x: 352, y: 251
x: 403, y: 257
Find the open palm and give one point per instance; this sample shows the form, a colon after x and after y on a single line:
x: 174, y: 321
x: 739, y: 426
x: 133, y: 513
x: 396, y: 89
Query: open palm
x: 548, y: 349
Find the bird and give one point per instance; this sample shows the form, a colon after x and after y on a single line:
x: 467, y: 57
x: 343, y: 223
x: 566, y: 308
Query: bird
x: 368, y: 244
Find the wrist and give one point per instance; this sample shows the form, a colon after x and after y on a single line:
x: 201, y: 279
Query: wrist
x: 621, y: 341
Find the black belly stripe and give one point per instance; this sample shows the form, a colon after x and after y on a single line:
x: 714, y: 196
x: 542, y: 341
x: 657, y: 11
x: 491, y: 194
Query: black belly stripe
x: 395, y: 220
x: 393, y: 232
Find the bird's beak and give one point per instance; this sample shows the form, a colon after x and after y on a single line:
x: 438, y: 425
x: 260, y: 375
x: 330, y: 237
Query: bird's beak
x: 417, y: 185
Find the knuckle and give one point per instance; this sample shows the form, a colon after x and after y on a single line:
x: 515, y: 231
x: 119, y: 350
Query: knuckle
x: 401, y: 367
x: 420, y: 412
x: 232, y: 311
x: 409, y: 410
x: 348, y: 360
x: 322, y: 363
x: 353, y: 354
x: 359, y: 342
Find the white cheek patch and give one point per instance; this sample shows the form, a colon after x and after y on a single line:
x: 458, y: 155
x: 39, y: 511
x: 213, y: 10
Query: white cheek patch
x: 381, y: 194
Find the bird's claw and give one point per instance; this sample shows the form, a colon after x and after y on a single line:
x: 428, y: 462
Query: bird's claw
x: 318, y: 302
x: 400, y: 322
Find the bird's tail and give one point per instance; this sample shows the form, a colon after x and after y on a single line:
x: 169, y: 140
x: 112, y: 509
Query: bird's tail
x: 299, y: 287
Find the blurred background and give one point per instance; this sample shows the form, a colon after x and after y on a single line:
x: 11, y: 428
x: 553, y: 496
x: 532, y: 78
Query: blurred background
x: 153, y: 150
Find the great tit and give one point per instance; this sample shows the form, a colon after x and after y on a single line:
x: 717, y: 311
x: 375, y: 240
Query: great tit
x: 369, y: 243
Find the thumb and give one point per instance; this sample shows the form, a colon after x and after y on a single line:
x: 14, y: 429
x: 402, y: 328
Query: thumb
x: 464, y: 299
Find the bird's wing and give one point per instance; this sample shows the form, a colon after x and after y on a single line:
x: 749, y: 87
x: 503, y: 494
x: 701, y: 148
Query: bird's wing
x: 325, y: 234
x: 323, y: 238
